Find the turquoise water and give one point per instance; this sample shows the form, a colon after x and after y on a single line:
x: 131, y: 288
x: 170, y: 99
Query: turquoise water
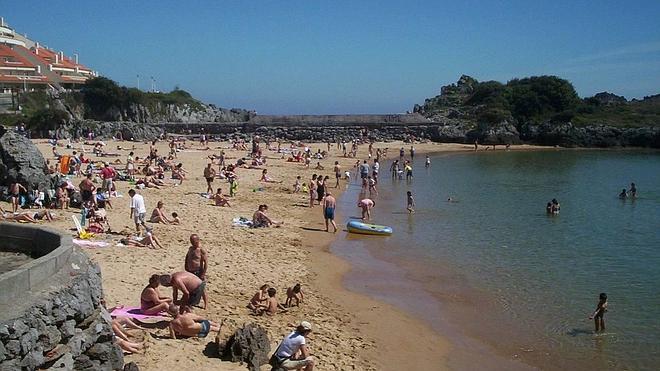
x: 502, y: 271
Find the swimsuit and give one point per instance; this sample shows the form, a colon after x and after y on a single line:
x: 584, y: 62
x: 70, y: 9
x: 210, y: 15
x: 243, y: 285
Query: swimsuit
x: 206, y: 327
x: 329, y: 212
x: 196, y: 294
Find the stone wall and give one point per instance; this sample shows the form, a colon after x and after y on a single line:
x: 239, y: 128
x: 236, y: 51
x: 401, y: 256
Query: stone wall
x: 54, y: 320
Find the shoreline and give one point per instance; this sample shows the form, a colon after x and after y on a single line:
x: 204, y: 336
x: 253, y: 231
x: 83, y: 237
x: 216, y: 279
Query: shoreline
x: 389, y: 327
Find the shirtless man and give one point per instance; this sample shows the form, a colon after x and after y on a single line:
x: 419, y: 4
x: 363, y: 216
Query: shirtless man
x: 196, y: 262
x: 271, y: 305
x: 186, y: 323
x: 337, y: 173
x: 209, y: 174
x: 191, y: 286
x: 151, y: 302
x: 87, y: 188
x: 329, y: 204
x: 366, y: 204
x: 15, y: 190
x: 219, y: 199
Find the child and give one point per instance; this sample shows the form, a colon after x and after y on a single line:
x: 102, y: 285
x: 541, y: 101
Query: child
x: 175, y: 219
x: 411, y: 203
x: 294, y: 294
x: 271, y: 305
x: 599, y: 313
x: 372, y: 185
x: 296, y: 185
x: 428, y: 161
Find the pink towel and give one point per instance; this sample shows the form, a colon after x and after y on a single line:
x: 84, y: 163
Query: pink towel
x: 136, y: 313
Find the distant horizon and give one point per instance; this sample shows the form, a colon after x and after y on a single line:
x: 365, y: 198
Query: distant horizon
x: 343, y: 57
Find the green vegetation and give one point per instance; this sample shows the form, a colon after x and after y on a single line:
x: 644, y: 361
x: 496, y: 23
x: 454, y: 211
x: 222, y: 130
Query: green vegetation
x: 539, y: 99
x: 101, y: 94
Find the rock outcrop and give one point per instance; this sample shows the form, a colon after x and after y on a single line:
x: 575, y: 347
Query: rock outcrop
x: 127, y: 130
x: 21, y: 161
x: 249, y: 344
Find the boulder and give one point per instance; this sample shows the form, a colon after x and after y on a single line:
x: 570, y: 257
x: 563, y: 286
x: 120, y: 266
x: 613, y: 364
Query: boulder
x: 249, y: 344
x: 21, y: 161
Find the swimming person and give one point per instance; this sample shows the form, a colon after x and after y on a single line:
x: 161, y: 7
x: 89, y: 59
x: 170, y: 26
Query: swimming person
x: 633, y: 190
x: 623, y: 194
x: 599, y: 313
x: 329, y: 205
x: 555, y: 206
x: 411, y: 203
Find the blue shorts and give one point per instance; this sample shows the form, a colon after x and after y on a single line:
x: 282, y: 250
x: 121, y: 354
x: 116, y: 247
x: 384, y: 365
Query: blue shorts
x: 329, y: 212
x: 206, y: 327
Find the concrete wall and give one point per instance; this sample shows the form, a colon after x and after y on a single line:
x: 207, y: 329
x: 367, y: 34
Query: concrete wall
x: 50, y: 250
x: 51, y: 315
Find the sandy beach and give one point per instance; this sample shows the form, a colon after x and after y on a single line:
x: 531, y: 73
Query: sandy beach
x: 351, y: 331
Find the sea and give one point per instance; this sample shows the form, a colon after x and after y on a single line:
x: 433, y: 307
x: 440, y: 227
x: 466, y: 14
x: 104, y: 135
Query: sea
x: 483, y: 264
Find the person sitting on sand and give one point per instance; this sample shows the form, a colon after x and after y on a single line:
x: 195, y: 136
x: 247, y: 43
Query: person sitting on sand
x: 175, y: 219
x: 271, y: 305
x: 186, y: 323
x: 191, y: 287
x: 261, y: 220
x: 259, y: 298
x: 151, y: 302
x: 179, y: 173
x: 266, y: 178
x: 294, y: 293
x: 158, y: 215
x: 366, y: 204
x: 292, y: 353
x: 319, y: 166
x: 219, y: 199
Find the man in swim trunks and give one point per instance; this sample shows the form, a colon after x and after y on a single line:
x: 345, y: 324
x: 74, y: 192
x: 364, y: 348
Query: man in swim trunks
x: 196, y: 262
x: 15, y: 190
x: 209, y: 174
x: 191, y: 286
x: 329, y: 204
x: 186, y: 323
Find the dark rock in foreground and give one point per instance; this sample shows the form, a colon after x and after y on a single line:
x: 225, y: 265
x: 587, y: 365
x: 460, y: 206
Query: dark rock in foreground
x: 249, y: 344
x: 21, y: 161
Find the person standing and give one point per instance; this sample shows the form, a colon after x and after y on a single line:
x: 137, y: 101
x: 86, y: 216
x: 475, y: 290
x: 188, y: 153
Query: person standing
x: 87, y: 189
x: 337, y: 170
x: 138, y: 209
x: 374, y: 170
x: 329, y: 205
x: 108, y: 174
x: 196, y: 260
x: 293, y: 353
x: 209, y: 174
x: 364, y: 170
x: 15, y: 190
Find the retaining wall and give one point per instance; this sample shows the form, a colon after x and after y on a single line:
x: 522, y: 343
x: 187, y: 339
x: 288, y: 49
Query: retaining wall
x: 50, y: 312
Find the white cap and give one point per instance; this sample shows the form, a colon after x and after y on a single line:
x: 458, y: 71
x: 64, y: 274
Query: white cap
x: 305, y: 325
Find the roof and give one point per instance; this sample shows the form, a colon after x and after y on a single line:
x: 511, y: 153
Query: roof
x: 9, y: 58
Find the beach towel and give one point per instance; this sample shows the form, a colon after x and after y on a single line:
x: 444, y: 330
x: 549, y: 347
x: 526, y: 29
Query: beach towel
x: 90, y: 244
x: 241, y: 222
x: 64, y: 164
x: 136, y: 313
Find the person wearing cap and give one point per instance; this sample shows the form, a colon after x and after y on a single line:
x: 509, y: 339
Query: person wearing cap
x: 293, y: 353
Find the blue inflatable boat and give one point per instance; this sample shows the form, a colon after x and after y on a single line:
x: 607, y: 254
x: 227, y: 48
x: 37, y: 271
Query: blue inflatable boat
x: 357, y: 226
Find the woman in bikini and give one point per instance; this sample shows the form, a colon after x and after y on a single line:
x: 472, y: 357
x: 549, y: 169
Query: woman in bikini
x: 158, y: 215
x: 151, y: 302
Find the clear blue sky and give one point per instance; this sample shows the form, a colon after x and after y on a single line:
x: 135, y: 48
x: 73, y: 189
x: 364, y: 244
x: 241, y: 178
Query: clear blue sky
x: 325, y: 57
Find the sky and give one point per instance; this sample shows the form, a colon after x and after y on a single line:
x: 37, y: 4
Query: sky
x: 333, y: 57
